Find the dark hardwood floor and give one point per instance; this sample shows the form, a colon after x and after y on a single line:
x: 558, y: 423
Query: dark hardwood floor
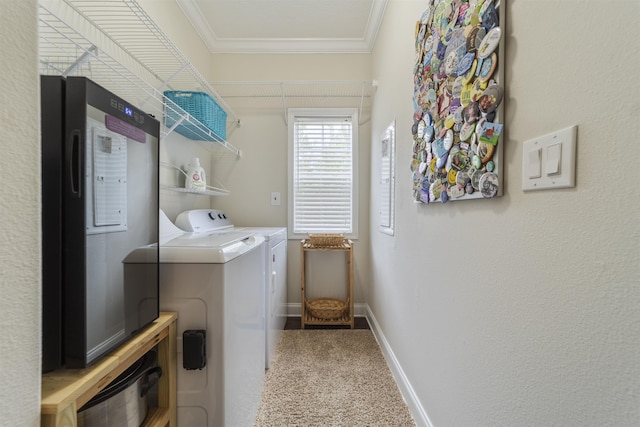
x: 294, y: 323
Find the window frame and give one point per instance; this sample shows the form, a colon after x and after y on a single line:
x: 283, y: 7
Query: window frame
x: 292, y: 113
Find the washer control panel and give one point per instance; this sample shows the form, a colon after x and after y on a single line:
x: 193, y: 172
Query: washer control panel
x: 203, y: 220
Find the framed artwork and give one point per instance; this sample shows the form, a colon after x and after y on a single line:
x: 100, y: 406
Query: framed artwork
x: 387, y: 179
x: 458, y: 101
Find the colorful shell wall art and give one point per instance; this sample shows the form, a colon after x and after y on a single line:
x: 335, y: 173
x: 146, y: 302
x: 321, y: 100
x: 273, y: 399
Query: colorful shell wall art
x: 457, y: 101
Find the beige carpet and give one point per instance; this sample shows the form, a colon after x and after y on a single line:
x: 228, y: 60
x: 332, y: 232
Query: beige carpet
x: 330, y: 378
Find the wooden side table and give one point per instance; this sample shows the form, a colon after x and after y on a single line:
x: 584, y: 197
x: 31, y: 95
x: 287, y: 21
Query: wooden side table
x: 348, y: 318
x: 64, y: 391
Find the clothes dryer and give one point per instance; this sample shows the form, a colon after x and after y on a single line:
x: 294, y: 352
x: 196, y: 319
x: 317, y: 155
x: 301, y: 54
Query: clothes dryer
x: 275, y: 285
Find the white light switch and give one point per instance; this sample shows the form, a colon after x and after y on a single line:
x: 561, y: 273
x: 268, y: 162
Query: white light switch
x: 554, y: 157
x: 275, y: 199
x: 534, y: 163
x: 549, y: 161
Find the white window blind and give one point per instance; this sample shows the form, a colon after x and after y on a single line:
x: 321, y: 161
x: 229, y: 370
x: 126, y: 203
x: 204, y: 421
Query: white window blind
x: 323, y: 175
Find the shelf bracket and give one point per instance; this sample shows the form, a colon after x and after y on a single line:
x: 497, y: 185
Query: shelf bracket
x: 86, y: 56
x: 284, y: 104
x: 177, y: 123
x: 173, y: 76
x: 361, y: 103
x: 164, y: 85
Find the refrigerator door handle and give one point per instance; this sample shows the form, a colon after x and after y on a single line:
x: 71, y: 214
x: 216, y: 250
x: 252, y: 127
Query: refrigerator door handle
x: 75, y: 169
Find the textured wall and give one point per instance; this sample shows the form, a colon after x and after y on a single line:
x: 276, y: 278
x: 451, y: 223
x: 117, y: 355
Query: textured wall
x: 20, y: 213
x: 523, y: 310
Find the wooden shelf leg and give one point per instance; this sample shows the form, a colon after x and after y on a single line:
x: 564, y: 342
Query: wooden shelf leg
x: 168, y: 383
x: 350, y: 279
x: 68, y: 417
x: 303, y: 298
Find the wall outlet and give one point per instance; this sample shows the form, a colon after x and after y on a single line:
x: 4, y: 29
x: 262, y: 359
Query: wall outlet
x: 275, y: 199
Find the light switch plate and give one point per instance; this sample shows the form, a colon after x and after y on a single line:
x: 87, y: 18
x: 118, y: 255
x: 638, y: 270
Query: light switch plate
x: 275, y: 198
x: 557, y: 160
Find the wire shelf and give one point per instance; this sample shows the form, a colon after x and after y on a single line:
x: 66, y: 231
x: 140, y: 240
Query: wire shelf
x: 116, y: 44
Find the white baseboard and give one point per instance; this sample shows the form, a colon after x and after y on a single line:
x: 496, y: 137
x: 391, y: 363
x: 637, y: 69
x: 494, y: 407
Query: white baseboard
x: 415, y: 407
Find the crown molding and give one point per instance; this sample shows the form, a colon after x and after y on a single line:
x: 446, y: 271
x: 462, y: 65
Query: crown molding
x: 217, y: 44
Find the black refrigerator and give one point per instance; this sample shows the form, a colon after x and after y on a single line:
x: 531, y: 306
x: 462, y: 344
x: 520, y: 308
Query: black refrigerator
x: 100, y: 172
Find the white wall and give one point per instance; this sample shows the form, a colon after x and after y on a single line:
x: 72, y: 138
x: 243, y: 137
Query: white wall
x: 20, y: 352
x: 524, y: 310
x: 168, y: 16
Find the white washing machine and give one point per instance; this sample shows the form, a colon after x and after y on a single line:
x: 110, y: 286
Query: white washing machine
x: 214, y: 278
x: 275, y: 266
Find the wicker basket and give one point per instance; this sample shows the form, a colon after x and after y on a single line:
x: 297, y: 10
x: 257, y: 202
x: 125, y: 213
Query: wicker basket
x: 327, y: 308
x: 326, y: 240
x: 201, y: 106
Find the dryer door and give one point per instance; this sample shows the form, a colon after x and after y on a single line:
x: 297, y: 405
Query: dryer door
x: 276, y: 309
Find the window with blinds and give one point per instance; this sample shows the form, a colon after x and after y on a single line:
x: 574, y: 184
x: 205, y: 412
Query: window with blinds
x: 323, y: 147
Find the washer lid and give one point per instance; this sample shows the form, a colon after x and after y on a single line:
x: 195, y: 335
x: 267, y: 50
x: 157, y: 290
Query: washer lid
x: 208, y: 248
x: 269, y: 233
x: 167, y: 229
